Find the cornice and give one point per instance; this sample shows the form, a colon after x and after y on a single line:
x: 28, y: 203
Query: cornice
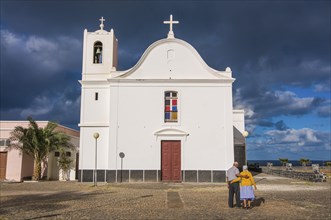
x: 216, y: 81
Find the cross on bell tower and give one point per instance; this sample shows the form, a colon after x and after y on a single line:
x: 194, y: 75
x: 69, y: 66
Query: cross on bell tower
x: 171, y: 34
x: 102, y: 20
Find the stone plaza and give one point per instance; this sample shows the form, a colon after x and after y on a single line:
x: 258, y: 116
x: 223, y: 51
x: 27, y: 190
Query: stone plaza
x: 276, y: 198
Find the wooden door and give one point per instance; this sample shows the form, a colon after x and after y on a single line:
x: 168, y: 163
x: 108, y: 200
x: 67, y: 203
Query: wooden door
x: 171, y: 161
x: 3, y: 165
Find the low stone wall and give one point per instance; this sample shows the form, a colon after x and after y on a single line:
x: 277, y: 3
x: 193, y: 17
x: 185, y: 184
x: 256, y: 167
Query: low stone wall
x: 111, y: 176
x: 307, y: 176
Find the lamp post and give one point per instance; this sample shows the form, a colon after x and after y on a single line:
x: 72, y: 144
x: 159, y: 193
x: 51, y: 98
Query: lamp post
x: 245, y: 134
x: 96, y: 136
x: 122, y: 155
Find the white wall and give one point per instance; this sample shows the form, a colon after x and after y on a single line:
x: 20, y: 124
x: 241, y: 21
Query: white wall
x: 140, y: 114
x: 87, y: 150
x: 95, y: 111
x: 239, y: 120
x: 132, y: 110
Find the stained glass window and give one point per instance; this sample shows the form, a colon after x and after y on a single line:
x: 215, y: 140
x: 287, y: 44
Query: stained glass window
x: 170, y: 107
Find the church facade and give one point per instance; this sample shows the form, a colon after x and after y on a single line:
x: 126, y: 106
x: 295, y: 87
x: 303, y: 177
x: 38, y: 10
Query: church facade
x: 168, y: 118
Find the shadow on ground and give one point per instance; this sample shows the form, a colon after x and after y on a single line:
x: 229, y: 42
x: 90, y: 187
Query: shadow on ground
x: 258, y: 201
x: 42, y: 203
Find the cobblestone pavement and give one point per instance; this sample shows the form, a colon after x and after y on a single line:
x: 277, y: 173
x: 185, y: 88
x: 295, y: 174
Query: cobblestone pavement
x: 276, y: 198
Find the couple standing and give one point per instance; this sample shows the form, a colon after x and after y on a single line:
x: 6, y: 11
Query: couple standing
x: 243, y: 192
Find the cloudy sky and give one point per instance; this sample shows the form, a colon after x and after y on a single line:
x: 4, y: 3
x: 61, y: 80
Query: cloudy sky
x: 279, y: 52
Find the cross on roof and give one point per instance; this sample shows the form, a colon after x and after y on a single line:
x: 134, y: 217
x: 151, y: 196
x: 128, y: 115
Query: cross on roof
x: 171, y: 22
x: 102, y: 20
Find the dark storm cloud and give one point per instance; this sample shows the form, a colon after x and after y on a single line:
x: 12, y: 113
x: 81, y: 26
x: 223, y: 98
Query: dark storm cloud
x: 280, y: 125
x: 267, y: 45
x: 38, y: 78
x: 286, y: 103
x: 244, y: 33
x: 262, y: 106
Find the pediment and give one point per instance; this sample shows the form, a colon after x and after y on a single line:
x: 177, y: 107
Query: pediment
x: 170, y: 132
x: 172, y: 59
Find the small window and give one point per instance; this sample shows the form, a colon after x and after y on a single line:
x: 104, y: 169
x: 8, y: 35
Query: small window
x: 56, y: 153
x: 97, y: 52
x: 68, y: 154
x: 170, y: 107
x: 4, y: 142
x: 170, y: 54
x: 96, y: 96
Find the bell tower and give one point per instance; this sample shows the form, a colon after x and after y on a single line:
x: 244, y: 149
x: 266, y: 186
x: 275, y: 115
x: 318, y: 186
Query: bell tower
x: 99, y: 53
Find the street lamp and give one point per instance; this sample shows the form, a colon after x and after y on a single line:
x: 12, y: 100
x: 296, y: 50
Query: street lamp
x: 96, y: 136
x: 245, y: 134
x: 122, y: 155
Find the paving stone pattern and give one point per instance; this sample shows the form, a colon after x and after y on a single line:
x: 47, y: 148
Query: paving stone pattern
x: 276, y: 198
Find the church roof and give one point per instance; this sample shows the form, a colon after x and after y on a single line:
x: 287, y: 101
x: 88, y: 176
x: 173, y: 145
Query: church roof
x: 172, y: 58
x: 168, y: 59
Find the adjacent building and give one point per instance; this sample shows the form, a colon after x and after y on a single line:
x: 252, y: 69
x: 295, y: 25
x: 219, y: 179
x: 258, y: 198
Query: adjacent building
x: 15, y: 166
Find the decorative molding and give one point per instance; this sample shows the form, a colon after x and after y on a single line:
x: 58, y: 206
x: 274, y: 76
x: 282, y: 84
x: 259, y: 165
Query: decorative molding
x: 93, y: 82
x: 93, y: 125
x: 238, y: 111
x: 216, y: 81
x: 171, y: 132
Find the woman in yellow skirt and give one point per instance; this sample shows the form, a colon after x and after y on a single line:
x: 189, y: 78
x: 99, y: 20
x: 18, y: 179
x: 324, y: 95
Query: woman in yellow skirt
x: 246, y: 187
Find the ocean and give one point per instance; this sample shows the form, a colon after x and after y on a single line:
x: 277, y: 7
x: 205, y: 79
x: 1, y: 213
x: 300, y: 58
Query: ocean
x: 278, y: 163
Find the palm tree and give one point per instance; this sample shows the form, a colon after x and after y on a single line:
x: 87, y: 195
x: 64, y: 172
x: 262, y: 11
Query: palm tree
x: 283, y: 161
x: 38, y: 142
x: 304, y: 161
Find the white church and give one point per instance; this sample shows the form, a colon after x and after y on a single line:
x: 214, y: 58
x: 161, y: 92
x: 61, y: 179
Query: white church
x: 169, y: 118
